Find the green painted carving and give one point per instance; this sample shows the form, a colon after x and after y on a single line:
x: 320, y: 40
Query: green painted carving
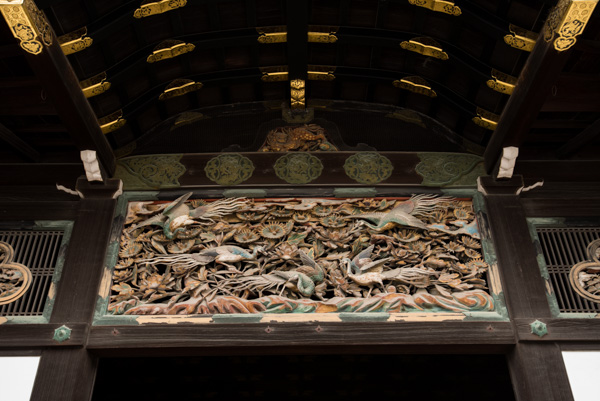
x: 150, y: 172
x: 298, y: 168
x: 449, y: 169
x: 539, y: 328
x: 63, y: 333
x: 368, y: 167
x: 229, y: 169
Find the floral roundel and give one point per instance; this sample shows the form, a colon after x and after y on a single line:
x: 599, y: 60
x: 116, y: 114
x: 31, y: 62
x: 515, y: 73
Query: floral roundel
x: 15, y: 278
x: 229, y: 169
x: 368, y: 167
x: 298, y: 168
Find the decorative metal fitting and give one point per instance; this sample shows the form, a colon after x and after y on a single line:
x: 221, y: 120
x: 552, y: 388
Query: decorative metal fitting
x: 539, y: 328
x: 63, y: 333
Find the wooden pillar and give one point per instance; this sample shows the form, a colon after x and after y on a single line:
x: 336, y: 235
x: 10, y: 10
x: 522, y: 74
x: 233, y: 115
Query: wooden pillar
x: 537, y: 369
x: 69, y: 373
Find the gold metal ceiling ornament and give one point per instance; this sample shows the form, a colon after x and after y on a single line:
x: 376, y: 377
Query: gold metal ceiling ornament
x: 274, y: 74
x: 486, y: 119
x: 502, y: 82
x: 425, y: 46
x: 147, y: 9
x: 75, y: 41
x: 322, y: 34
x: 520, y: 38
x: 567, y: 20
x: 169, y: 49
x: 28, y: 24
x: 297, y: 94
x: 112, y: 122
x: 95, y: 85
x: 272, y: 34
x: 320, y: 73
x: 441, y: 6
x: 180, y: 87
x: 415, y: 84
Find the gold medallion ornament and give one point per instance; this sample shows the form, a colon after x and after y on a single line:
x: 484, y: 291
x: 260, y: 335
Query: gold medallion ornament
x: 585, y: 276
x: 567, y: 21
x: 15, y: 278
x: 298, y: 168
x: 368, y: 167
x: 28, y: 24
x: 229, y: 169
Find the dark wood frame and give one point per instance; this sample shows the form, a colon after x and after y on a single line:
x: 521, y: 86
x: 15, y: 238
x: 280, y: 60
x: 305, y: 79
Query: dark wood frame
x: 67, y: 370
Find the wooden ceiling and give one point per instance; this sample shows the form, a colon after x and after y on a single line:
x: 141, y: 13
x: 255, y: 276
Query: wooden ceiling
x: 552, y: 114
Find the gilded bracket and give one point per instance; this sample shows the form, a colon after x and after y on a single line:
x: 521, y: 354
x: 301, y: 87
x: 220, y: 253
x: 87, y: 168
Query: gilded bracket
x: 297, y: 94
x: 520, y: 38
x: 180, y: 87
x: 320, y: 73
x: 75, y: 41
x: 425, y: 46
x: 158, y: 7
x: 272, y: 34
x: 274, y: 74
x: 322, y: 37
x: 486, y: 119
x: 502, y: 82
x: 567, y: 21
x: 169, y: 49
x: 28, y: 24
x: 314, y: 73
x: 95, y: 85
x: 441, y: 6
x: 112, y: 122
x: 416, y: 85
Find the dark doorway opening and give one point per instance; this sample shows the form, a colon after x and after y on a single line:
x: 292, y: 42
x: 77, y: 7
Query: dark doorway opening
x: 305, y: 377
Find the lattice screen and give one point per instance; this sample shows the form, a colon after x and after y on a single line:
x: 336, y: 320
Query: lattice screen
x: 563, y: 247
x: 39, y: 251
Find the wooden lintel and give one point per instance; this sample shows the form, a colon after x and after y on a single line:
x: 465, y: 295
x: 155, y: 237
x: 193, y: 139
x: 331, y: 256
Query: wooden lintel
x: 541, y: 70
x: 17, y: 143
x: 580, y: 140
x: 62, y: 86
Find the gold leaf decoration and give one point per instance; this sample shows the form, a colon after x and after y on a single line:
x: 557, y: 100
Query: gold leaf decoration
x: 112, y: 122
x: 415, y: 84
x: 169, y: 49
x: 568, y: 20
x: 297, y: 94
x: 75, y: 41
x: 95, y: 85
x: 180, y: 87
x: 520, y: 38
x: 486, y: 119
x: 272, y: 34
x: 502, y: 82
x: 28, y: 24
x: 441, y: 6
x: 425, y: 46
x: 158, y: 7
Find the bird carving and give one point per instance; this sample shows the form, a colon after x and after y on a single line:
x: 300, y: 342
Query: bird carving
x: 404, y: 213
x: 365, y: 271
x: 177, y: 215
x: 304, y: 276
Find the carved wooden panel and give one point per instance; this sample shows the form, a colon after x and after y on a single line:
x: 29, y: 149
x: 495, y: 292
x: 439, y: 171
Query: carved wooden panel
x: 300, y: 255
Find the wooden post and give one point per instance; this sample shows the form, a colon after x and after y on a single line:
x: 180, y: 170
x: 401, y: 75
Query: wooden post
x: 69, y: 373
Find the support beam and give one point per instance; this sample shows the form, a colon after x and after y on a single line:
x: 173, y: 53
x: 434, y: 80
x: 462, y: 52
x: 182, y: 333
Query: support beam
x: 52, y: 68
x: 579, y: 141
x: 20, y: 145
x: 539, y: 73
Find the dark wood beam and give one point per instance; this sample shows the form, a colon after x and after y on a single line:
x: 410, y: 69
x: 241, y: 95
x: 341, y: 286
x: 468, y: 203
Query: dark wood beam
x: 18, y: 144
x: 574, y: 93
x: 539, y: 73
x: 62, y: 86
x: 297, y: 38
x: 579, y: 141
